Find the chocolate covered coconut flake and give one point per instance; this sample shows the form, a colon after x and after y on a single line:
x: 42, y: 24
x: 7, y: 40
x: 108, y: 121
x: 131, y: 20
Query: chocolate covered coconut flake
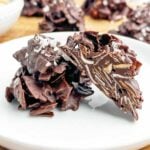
x: 138, y: 24
x: 63, y: 15
x: 35, y: 7
x: 45, y: 80
x: 109, y: 64
x: 106, y: 9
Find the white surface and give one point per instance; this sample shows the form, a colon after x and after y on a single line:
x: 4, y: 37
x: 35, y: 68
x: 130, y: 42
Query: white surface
x: 9, y: 14
x: 105, y: 127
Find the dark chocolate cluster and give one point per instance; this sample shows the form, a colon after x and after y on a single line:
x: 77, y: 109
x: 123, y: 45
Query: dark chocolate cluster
x: 46, y: 80
x: 63, y: 15
x: 35, y: 7
x: 138, y: 24
x: 59, y: 76
x: 110, y: 65
x: 106, y: 9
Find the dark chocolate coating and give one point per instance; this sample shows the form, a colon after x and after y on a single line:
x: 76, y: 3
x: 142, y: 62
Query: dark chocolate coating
x: 63, y: 15
x: 106, y: 9
x: 46, y: 80
x: 109, y: 64
x: 35, y: 7
x: 138, y: 24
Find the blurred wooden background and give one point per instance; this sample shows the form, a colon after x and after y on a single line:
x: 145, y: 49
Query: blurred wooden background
x: 29, y: 26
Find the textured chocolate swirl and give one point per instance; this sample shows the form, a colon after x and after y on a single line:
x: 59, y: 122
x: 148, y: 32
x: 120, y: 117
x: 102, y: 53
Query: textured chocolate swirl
x: 110, y: 65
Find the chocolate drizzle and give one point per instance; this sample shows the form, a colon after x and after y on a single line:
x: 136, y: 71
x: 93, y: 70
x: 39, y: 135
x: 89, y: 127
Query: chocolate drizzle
x: 45, y: 80
x: 63, y: 15
x: 109, y: 64
x: 106, y: 9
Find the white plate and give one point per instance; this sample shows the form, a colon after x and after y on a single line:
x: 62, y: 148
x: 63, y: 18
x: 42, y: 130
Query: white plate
x: 105, y: 128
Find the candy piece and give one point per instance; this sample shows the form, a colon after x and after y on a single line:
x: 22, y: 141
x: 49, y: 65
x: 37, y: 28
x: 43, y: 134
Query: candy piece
x: 35, y: 7
x: 138, y: 24
x: 106, y: 9
x: 109, y: 64
x: 63, y: 15
x: 45, y: 80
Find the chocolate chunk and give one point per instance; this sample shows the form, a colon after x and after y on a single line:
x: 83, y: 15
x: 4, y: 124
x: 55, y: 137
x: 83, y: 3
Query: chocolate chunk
x: 72, y: 103
x: 34, y: 105
x: 39, y: 56
x: 35, y: 7
x: 109, y: 64
x: 44, y: 77
x: 44, y: 109
x: 63, y: 90
x: 106, y: 9
x: 9, y: 94
x: 138, y: 24
x: 63, y: 15
x: 18, y: 92
x: 42, y: 93
x: 46, y: 80
x: 60, y: 69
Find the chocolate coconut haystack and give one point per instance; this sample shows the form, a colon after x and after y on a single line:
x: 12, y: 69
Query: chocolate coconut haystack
x: 106, y: 9
x: 63, y: 15
x: 138, y: 24
x: 35, y: 7
x: 45, y: 80
x: 109, y: 64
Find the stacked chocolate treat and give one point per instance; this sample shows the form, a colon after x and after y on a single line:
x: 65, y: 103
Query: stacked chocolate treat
x: 63, y: 15
x: 106, y: 9
x: 110, y: 65
x: 60, y: 76
x: 138, y: 24
x: 59, y: 15
x: 35, y: 7
x: 46, y: 80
